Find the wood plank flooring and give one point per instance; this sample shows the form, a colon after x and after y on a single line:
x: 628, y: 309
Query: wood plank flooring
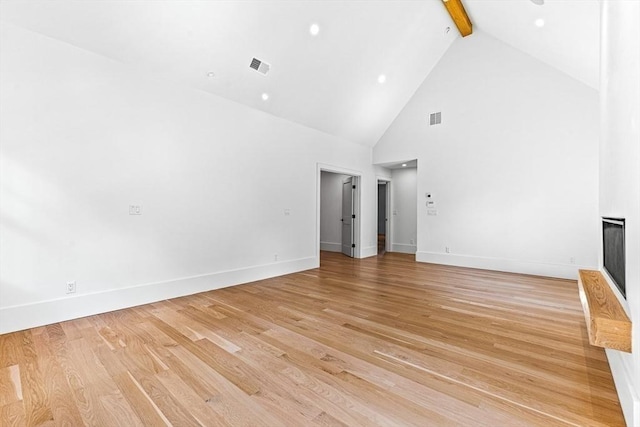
x: 380, y: 341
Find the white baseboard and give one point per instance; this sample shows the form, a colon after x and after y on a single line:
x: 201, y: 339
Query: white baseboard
x: 627, y: 393
x: 27, y: 316
x: 402, y: 248
x: 337, y: 247
x: 563, y: 271
x: 369, y: 252
x: 331, y: 246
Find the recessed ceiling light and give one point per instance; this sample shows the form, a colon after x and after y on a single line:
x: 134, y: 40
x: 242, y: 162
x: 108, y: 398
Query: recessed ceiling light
x: 211, y: 74
x: 538, y: 2
x: 265, y: 96
x: 314, y: 29
x: 404, y: 165
x: 382, y: 78
x: 539, y: 22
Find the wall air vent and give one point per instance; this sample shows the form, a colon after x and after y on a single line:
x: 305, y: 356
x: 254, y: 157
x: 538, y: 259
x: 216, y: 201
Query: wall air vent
x: 435, y: 118
x: 260, y: 66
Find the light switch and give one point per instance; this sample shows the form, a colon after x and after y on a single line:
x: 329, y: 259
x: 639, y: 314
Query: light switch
x: 135, y: 210
x: 432, y: 212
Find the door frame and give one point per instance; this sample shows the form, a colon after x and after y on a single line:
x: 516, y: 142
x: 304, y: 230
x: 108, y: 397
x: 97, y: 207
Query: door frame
x: 388, y: 228
x: 357, y: 176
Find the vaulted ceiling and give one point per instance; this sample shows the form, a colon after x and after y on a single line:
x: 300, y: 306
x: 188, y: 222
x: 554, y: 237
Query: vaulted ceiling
x: 569, y: 38
x: 329, y: 81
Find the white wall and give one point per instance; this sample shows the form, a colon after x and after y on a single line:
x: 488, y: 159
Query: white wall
x: 83, y: 137
x: 331, y: 211
x: 404, y: 196
x: 513, y: 166
x: 620, y: 172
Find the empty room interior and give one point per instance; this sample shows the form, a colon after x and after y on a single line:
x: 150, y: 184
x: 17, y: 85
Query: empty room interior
x: 333, y: 213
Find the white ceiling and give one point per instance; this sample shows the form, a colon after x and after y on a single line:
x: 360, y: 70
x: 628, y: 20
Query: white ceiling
x: 569, y: 40
x: 328, y: 82
x: 408, y: 164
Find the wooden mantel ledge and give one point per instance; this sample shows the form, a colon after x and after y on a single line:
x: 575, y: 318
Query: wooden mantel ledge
x: 607, y: 323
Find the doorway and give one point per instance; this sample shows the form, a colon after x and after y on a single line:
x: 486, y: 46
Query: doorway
x: 384, y: 202
x: 400, y: 230
x: 348, y: 217
x: 338, y: 225
x: 404, y: 216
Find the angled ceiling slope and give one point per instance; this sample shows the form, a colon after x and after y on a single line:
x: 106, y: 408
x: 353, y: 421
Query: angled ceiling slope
x: 329, y: 81
x: 567, y: 36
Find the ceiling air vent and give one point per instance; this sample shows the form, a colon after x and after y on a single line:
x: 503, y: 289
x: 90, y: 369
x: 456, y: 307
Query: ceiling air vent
x: 259, y: 66
x: 435, y: 118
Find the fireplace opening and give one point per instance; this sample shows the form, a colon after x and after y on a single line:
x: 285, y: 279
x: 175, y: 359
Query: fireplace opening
x: 613, y: 251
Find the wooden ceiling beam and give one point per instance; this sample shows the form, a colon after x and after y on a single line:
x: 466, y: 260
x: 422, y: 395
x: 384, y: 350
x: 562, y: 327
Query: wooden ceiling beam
x: 459, y: 16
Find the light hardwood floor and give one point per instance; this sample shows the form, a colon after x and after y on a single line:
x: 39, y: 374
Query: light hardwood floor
x: 380, y: 341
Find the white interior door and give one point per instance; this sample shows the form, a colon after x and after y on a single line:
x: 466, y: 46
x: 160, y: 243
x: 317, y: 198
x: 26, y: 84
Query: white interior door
x: 348, y: 217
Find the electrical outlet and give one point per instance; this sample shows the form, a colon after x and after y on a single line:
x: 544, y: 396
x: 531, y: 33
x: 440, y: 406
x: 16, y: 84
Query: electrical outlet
x: 447, y: 249
x: 71, y: 287
x: 411, y: 241
x: 572, y: 260
x: 275, y: 257
x: 135, y: 210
